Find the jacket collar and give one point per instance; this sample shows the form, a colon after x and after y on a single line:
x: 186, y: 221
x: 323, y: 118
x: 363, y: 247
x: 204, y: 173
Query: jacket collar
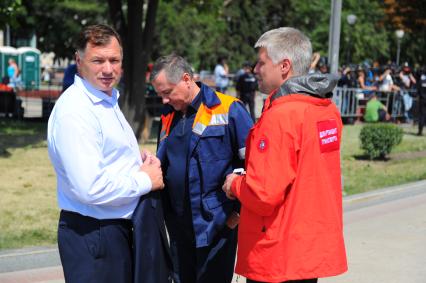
x: 316, y: 85
x: 208, y: 97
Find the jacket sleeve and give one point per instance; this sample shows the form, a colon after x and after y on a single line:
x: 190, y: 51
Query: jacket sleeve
x: 240, y: 124
x: 271, y: 168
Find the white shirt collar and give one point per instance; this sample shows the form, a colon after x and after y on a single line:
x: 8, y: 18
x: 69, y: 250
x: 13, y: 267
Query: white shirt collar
x: 94, y: 94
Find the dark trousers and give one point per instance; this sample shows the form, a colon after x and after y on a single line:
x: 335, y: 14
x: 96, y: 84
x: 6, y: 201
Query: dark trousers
x: 315, y: 280
x: 422, y: 117
x: 93, y: 250
x: 211, y: 264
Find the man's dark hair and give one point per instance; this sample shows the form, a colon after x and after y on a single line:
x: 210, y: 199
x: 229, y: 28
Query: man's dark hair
x: 98, y: 35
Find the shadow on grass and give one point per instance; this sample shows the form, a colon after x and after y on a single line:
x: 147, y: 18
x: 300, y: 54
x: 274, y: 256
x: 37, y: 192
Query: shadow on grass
x: 364, y: 157
x: 412, y: 134
x: 21, y: 134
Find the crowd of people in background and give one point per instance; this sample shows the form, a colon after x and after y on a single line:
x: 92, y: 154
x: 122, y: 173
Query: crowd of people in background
x: 371, y: 80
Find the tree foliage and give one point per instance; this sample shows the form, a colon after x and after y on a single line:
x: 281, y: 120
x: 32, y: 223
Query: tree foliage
x: 192, y: 29
x: 135, y: 21
x: 56, y: 29
x: 8, y: 11
x: 410, y: 16
x: 203, y: 30
x: 246, y: 21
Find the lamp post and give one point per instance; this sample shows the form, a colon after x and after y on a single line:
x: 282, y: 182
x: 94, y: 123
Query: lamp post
x: 334, y: 35
x: 399, y: 35
x: 351, y: 19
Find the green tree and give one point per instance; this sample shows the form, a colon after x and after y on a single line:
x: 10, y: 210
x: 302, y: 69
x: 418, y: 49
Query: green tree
x: 8, y: 11
x: 56, y: 29
x: 410, y: 16
x: 192, y: 29
x: 367, y: 39
x: 246, y: 21
x: 135, y: 21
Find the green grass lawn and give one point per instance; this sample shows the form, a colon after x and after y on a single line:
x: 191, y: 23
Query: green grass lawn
x: 28, y: 208
x: 407, y: 162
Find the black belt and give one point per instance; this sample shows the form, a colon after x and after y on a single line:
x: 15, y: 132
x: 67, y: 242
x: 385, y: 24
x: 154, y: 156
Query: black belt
x: 74, y: 216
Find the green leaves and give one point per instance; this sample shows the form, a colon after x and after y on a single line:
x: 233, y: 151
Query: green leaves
x: 377, y: 140
x: 8, y: 10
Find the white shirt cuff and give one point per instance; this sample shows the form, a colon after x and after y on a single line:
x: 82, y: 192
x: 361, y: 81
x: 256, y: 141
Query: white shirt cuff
x: 143, y: 182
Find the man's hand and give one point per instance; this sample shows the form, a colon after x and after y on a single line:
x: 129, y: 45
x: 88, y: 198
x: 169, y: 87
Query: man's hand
x: 227, y: 185
x: 145, y: 154
x: 233, y: 220
x: 152, y: 167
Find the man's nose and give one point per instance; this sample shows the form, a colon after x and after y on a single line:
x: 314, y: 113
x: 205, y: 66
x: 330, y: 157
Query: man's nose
x: 165, y: 100
x: 255, y: 70
x: 107, y: 67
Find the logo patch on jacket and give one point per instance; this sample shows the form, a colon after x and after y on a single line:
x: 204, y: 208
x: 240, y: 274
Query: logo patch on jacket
x: 262, y: 145
x: 328, y: 136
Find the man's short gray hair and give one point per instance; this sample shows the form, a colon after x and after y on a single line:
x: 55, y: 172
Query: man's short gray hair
x: 288, y: 43
x: 174, y: 67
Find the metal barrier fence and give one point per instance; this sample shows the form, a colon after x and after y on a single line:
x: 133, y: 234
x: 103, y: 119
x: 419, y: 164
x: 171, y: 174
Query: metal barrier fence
x: 19, y: 103
x: 352, y: 101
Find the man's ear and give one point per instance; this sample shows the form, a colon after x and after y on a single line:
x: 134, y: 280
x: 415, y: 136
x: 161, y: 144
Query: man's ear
x: 285, y: 66
x: 77, y: 58
x: 186, y: 78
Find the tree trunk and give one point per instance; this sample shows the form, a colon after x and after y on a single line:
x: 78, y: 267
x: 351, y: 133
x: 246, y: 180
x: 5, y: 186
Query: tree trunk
x: 137, y: 45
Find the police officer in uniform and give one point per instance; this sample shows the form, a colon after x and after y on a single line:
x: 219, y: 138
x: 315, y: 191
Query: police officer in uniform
x: 421, y: 93
x: 246, y: 88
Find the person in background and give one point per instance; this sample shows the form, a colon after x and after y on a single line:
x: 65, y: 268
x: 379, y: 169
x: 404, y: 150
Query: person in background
x: 315, y: 59
x: 375, y: 111
x: 322, y: 66
x: 291, y: 227
x: 202, y: 139
x: 408, y: 81
x: 246, y: 89
x: 13, y: 73
x: 365, y: 84
x: 221, y: 72
x: 421, y: 94
x: 101, y: 173
x: 386, y: 82
x: 69, y: 75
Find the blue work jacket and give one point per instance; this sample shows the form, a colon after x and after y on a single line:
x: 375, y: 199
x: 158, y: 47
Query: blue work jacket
x: 216, y: 147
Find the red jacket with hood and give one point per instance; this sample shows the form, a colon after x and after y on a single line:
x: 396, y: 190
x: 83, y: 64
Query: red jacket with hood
x: 291, y: 215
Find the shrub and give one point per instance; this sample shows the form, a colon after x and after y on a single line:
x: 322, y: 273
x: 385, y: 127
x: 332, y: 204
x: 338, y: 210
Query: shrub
x: 377, y: 140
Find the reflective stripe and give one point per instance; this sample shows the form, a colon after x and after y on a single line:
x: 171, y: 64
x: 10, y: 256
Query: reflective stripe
x: 242, y: 153
x: 215, y: 120
x: 199, y: 128
x: 219, y: 119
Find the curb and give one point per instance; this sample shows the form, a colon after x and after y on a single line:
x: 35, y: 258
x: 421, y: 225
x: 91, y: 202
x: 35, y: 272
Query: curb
x: 385, y: 194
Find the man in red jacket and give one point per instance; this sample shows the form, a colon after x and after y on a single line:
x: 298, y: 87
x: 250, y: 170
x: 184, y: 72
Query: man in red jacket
x: 291, y: 226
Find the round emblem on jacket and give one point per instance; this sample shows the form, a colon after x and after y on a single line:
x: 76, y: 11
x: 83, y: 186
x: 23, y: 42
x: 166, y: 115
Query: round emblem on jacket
x: 262, y: 145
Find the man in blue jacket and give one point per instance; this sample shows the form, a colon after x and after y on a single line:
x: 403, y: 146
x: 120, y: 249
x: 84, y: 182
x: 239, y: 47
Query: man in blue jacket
x: 202, y: 139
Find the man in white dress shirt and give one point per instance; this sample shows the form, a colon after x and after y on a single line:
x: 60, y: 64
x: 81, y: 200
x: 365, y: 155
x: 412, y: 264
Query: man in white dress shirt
x: 100, y: 170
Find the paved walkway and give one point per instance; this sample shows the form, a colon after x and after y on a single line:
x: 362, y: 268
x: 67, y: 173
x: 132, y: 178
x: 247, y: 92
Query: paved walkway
x: 385, y: 233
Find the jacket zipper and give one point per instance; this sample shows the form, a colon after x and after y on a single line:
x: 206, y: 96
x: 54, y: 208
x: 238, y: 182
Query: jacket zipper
x: 183, y: 123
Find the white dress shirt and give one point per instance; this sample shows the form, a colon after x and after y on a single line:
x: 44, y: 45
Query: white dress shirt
x: 95, y: 154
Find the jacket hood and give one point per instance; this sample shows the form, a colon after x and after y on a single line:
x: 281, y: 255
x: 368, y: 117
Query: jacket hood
x: 317, y: 85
